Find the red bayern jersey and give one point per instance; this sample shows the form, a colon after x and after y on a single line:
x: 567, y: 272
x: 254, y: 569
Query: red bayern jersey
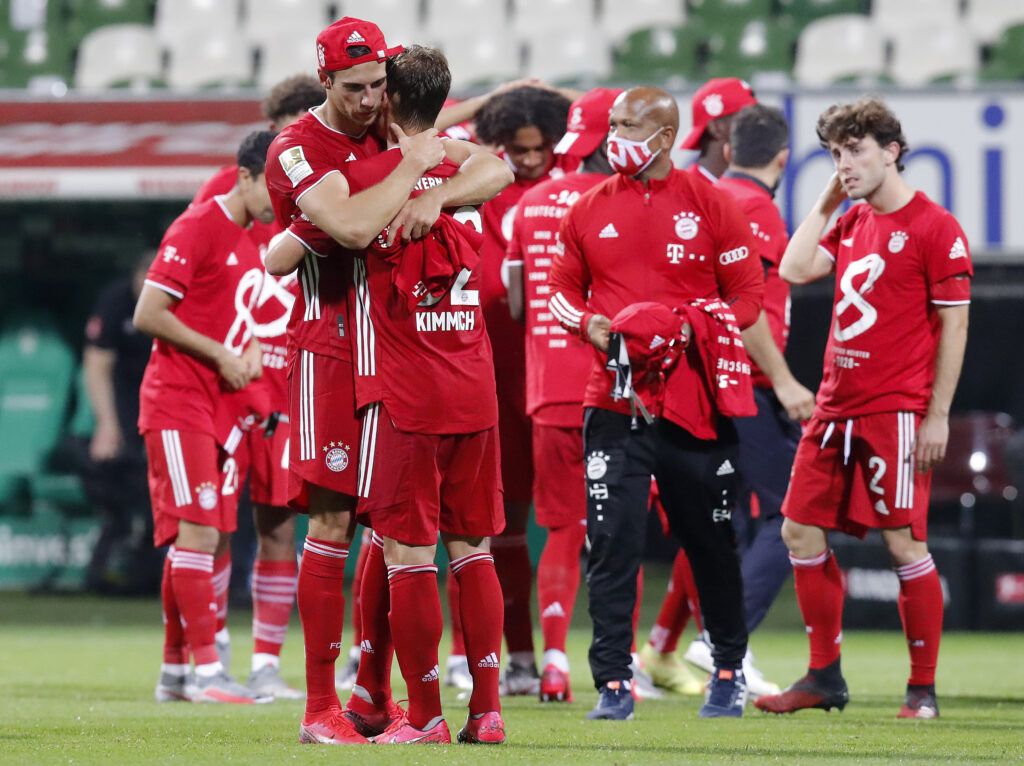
x: 557, y: 361
x: 431, y: 365
x: 770, y: 238
x: 301, y: 156
x: 893, y: 272
x: 213, y: 268
x: 701, y: 173
x: 672, y: 241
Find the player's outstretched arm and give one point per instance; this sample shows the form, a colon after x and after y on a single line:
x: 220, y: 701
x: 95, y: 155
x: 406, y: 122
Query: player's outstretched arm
x: 284, y: 255
x: 154, y: 317
x: 797, y: 400
x: 804, y: 261
x: 933, y: 434
x: 355, y: 221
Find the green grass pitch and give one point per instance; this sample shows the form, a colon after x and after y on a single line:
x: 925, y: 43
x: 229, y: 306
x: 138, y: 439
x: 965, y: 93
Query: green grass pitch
x: 77, y: 674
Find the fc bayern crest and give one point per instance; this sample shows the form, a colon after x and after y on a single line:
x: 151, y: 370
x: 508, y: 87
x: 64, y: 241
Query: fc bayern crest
x: 336, y: 458
x: 687, y: 225
x: 713, y: 105
x: 898, y: 241
x: 320, y: 55
x: 207, y: 496
x: 597, y: 466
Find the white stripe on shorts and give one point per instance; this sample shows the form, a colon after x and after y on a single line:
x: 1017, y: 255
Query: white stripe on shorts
x: 366, y: 449
x: 176, y: 467
x: 307, y: 434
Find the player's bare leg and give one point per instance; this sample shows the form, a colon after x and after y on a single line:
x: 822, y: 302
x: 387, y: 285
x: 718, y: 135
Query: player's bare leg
x: 819, y: 591
x: 322, y: 610
x: 416, y: 627
x: 515, y: 573
x: 921, y: 607
x: 274, y: 579
x: 481, y: 606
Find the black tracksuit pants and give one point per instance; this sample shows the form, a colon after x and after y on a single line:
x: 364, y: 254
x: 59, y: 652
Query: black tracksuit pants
x: 697, y: 480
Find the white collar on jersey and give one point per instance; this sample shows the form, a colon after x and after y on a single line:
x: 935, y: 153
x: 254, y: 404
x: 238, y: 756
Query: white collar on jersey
x: 318, y: 118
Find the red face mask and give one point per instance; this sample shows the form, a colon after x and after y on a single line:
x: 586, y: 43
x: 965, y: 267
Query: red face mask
x: 631, y: 158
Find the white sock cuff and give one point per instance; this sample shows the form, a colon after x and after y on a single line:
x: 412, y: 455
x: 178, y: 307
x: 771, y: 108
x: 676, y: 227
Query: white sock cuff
x: 814, y: 561
x: 917, y: 569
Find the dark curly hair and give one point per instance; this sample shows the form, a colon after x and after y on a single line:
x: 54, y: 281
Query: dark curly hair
x: 294, y: 95
x: 864, y: 117
x: 504, y: 114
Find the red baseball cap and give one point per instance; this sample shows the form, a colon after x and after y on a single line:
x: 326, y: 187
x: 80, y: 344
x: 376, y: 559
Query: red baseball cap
x: 334, y: 43
x: 653, y: 334
x: 588, y: 122
x: 716, y: 98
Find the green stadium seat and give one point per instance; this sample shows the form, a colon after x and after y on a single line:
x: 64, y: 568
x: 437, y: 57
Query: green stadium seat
x: 804, y: 11
x: 650, y: 55
x: 758, y: 47
x: 87, y: 15
x: 1006, y: 59
x: 717, y: 14
x: 38, y: 53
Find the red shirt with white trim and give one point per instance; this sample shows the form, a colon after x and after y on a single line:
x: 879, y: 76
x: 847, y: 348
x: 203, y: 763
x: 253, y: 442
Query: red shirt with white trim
x: 300, y: 157
x: 770, y: 239
x: 892, y: 272
x: 213, y: 268
x: 557, y: 362
x: 672, y: 241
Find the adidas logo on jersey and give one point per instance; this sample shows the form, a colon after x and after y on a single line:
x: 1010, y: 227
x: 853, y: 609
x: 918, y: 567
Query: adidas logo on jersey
x: 608, y: 232
x: 354, y: 38
x: 846, y: 242
x: 880, y: 507
x: 365, y: 646
x: 725, y: 469
x: 553, y: 609
x: 351, y: 156
x: 232, y: 260
x: 959, y: 250
x: 490, y: 661
x: 433, y: 675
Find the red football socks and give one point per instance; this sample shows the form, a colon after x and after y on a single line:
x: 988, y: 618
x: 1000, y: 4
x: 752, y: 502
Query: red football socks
x: 357, y: 588
x: 192, y: 578
x: 273, y: 593
x: 515, y: 573
x: 921, y: 607
x: 558, y: 579
x: 175, y: 649
x: 221, y: 582
x: 482, y: 617
x: 681, y: 602
x: 819, y: 592
x: 455, y: 616
x: 376, y: 647
x: 416, y: 627
x: 322, y: 611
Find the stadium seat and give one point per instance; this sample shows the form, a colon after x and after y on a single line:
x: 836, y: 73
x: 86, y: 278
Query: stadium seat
x: 929, y: 52
x: 568, y: 55
x: 660, y: 54
x: 1006, y: 61
x: 760, y: 47
x: 266, y: 20
x: 839, y: 47
x: 179, y: 22
x: 451, y: 21
x: 87, y: 15
x: 118, y: 54
x: 891, y: 16
x: 399, y: 19
x: 618, y: 20
x: 36, y: 369
x: 286, y: 55
x: 802, y: 12
x: 483, y: 58
x: 211, y: 59
x: 988, y: 18
x: 719, y: 14
x: 33, y: 57
x: 550, y: 17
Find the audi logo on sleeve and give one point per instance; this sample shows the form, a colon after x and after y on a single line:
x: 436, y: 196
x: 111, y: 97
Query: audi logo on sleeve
x: 733, y: 256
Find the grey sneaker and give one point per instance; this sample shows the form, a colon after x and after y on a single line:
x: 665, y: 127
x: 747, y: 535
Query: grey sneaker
x: 520, y: 680
x: 223, y: 688
x: 172, y: 688
x: 345, y: 678
x: 643, y: 685
x: 458, y: 675
x: 267, y: 682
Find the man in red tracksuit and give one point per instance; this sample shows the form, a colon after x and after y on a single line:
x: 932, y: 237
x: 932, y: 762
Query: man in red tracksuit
x: 653, y: 233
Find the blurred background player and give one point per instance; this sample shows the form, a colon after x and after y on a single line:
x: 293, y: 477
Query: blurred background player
x: 197, y: 303
x: 557, y: 367
x: 623, y: 244
x: 711, y: 111
x: 275, y: 570
x: 524, y: 124
x: 903, y: 281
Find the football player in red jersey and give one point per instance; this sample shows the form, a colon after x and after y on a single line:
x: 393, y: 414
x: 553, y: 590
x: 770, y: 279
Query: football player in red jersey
x: 197, y: 302
x: 262, y: 451
x: 653, y: 233
x: 557, y: 366
x: 524, y: 124
x: 893, y: 359
x: 712, y: 108
x: 305, y: 175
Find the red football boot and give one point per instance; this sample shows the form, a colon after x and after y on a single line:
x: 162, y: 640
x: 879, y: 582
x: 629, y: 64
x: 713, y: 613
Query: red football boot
x: 369, y: 720
x: 809, y: 692
x: 488, y: 729
x: 920, y: 703
x: 401, y: 732
x: 330, y: 728
x: 554, y: 685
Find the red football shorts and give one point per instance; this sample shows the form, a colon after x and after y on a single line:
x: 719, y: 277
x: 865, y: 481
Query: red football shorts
x: 265, y: 460
x: 859, y: 474
x: 559, y: 487
x: 515, y: 430
x: 414, y: 485
x: 190, y: 478
x: 325, y: 431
